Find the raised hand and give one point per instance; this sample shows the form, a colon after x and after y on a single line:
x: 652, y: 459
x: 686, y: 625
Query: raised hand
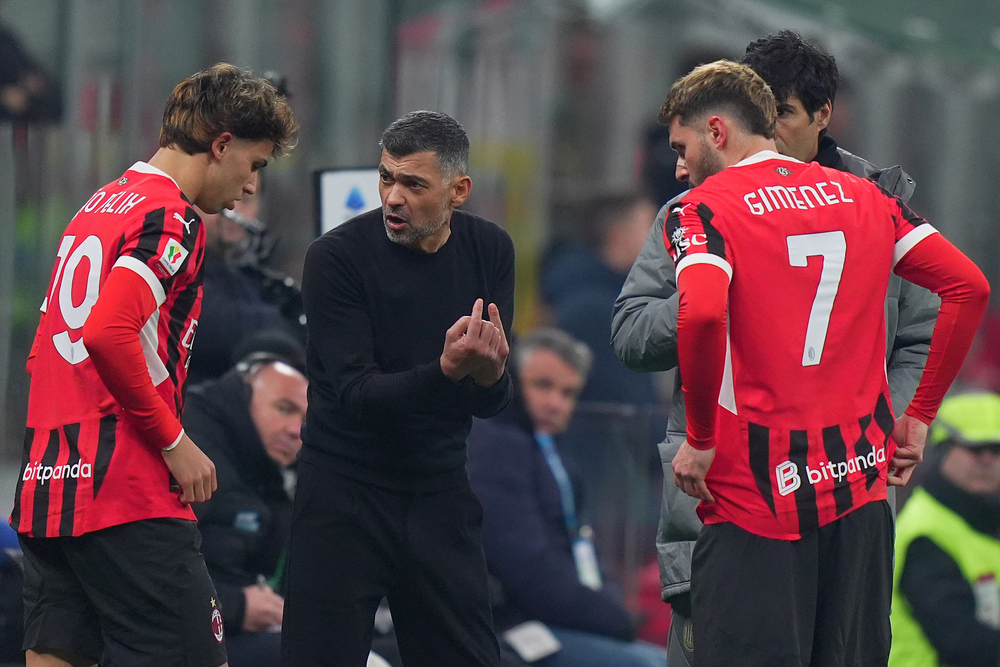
x: 473, y: 346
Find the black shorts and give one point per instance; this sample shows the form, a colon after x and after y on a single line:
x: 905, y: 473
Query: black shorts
x: 819, y: 601
x: 134, y: 595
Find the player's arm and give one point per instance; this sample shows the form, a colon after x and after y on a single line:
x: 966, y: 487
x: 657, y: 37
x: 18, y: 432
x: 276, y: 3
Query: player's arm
x: 703, y: 287
x: 111, y: 336
x: 341, y: 336
x: 644, y: 319
x: 926, y: 258
x: 701, y: 351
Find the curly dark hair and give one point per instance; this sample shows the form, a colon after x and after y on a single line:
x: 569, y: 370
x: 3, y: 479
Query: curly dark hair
x: 225, y: 98
x: 789, y: 64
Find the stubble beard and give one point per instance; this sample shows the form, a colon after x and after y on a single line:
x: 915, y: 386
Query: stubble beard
x: 708, y: 163
x: 411, y: 235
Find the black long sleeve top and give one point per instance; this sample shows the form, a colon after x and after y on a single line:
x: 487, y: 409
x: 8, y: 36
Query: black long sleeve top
x: 380, y: 408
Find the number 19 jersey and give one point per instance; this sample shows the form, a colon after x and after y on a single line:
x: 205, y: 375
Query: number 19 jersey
x: 803, y: 417
x: 85, y: 466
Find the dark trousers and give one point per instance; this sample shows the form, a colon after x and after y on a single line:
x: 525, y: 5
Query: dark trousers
x: 820, y: 601
x: 353, y: 543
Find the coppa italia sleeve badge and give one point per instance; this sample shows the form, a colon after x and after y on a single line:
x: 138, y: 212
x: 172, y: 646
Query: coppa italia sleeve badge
x: 173, y: 256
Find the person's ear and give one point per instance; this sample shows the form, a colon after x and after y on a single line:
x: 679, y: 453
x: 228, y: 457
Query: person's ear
x: 221, y: 144
x: 823, y: 115
x: 461, y: 188
x: 718, y: 132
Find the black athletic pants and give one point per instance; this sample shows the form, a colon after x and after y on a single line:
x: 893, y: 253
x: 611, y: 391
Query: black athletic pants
x: 353, y: 543
x: 820, y: 601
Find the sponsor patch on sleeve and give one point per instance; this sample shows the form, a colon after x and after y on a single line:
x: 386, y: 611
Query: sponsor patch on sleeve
x: 173, y: 256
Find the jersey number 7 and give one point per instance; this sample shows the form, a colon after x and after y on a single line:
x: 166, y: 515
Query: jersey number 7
x: 832, y: 247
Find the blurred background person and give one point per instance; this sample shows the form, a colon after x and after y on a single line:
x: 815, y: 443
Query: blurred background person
x: 27, y: 92
x: 946, y: 599
x: 537, y: 548
x: 581, y: 280
x: 233, y: 307
x: 248, y: 423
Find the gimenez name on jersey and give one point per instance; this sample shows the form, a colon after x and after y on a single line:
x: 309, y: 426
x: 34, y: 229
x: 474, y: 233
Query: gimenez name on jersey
x: 774, y: 197
x: 67, y: 471
x: 787, y: 475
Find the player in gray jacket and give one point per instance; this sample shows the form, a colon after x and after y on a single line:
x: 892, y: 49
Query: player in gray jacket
x: 644, y: 326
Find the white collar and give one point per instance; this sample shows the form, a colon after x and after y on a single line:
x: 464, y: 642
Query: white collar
x: 146, y: 168
x: 762, y: 156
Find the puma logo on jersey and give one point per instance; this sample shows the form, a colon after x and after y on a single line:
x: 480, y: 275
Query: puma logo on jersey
x: 186, y: 223
x: 173, y: 256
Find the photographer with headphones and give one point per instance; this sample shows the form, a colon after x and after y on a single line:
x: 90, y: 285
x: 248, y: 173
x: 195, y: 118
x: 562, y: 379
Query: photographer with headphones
x: 248, y: 423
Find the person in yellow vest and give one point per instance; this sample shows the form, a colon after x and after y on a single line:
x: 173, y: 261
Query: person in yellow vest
x: 946, y: 599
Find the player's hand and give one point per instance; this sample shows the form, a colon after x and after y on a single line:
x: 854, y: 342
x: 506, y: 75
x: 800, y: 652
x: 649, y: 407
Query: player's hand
x: 690, y: 468
x: 194, y: 472
x: 264, y: 608
x: 471, y: 343
x: 490, y: 372
x: 910, y: 435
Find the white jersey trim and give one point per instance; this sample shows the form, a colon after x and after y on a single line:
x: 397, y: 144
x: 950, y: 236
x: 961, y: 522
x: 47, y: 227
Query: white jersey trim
x: 727, y: 391
x: 146, y: 274
x: 909, y: 242
x: 174, y: 443
x: 150, y: 340
x: 146, y: 168
x: 705, y: 258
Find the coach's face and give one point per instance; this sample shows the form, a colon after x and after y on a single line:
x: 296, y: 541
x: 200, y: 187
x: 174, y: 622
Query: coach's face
x: 694, y: 151
x: 417, y: 199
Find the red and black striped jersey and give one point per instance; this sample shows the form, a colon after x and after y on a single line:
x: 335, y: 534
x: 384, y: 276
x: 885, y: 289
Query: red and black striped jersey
x: 86, y: 465
x: 803, y: 418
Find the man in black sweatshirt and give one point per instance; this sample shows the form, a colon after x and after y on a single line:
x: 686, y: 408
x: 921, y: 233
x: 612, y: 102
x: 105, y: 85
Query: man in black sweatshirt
x: 406, y: 309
